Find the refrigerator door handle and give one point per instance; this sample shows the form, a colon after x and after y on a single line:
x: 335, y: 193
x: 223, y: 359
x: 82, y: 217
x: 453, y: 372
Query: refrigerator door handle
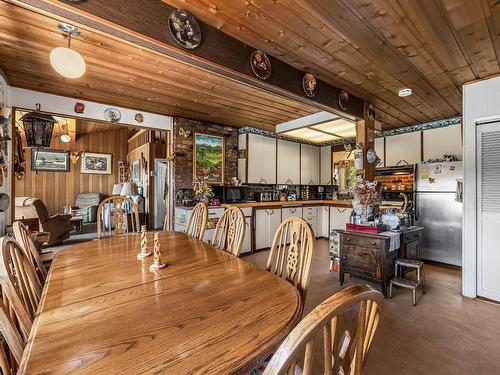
x: 415, y: 206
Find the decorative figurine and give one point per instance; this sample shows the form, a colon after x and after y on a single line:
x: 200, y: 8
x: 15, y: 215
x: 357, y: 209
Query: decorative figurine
x: 119, y: 224
x: 144, y: 244
x: 157, y: 264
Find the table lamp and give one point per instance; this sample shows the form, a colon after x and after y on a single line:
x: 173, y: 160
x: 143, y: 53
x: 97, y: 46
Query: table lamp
x: 117, y: 189
x: 128, y: 189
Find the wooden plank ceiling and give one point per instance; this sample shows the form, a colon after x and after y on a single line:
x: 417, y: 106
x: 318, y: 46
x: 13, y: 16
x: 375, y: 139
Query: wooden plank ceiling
x: 373, y: 48
x: 122, y: 74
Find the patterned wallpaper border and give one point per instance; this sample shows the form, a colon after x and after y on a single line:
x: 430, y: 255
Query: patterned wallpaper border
x: 387, y: 133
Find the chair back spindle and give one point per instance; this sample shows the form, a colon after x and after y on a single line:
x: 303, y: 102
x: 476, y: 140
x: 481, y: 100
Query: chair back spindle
x: 344, y: 324
x: 113, y: 215
x: 291, y: 253
x: 230, y: 231
x: 197, y: 223
x: 23, y: 238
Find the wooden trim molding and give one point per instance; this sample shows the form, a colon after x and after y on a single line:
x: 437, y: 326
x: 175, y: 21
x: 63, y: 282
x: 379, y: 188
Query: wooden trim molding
x: 218, y: 52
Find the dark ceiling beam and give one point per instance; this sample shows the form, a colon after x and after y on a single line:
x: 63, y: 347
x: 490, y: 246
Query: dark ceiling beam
x: 144, y: 23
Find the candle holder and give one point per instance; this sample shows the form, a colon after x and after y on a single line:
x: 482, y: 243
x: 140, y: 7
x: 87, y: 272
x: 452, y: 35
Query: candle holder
x: 157, y: 263
x: 144, y: 244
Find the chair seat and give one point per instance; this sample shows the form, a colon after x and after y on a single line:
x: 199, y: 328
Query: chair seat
x: 404, y: 283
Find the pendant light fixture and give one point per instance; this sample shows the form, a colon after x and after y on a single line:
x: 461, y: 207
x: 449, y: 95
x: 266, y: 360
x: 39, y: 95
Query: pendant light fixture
x: 66, y: 61
x: 38, y: 128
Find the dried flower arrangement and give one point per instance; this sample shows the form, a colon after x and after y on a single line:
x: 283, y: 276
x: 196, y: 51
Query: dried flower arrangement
x: 366, y: 194
x: 202, y: 191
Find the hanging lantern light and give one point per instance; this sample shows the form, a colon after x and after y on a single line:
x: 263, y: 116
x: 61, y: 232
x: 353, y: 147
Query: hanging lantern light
x: 38, y: 128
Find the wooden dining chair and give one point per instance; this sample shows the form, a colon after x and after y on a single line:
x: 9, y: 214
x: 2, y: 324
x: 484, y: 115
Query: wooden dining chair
x: 230, y: 231
x: 11, y: 353
x: 23, y: 238
x: 21, y: 287
x: 197, y: 223
x: 113, y: 216
x: 344, y: 325
x: 291, y: 253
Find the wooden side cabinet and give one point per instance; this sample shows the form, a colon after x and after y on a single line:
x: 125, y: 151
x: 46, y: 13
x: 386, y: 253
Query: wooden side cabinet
x: 366, y: 256
x: 411, y: 241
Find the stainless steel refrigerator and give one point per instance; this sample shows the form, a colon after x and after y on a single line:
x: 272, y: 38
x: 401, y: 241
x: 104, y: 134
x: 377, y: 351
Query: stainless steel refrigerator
x: 438, y: 209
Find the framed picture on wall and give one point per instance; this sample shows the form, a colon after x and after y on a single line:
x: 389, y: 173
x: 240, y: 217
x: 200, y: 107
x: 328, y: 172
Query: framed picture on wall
x: 96, y: 163
x: 208, y: 154
x: 135, y: 171
x: 49, y: 161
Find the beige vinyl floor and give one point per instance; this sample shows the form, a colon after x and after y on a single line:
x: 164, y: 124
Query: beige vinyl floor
x: 444, y: 334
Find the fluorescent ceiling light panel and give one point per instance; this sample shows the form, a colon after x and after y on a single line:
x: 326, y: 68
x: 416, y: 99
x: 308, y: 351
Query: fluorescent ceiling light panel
x: 341, y: 127
x: 310, y: 135
x: 315, y: 118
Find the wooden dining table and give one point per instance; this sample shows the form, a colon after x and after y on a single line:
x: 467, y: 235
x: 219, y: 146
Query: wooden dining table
x: 104, y: 312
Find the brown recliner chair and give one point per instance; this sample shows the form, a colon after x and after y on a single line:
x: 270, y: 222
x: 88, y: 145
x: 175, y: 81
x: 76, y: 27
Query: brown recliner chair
x: 57, y: 225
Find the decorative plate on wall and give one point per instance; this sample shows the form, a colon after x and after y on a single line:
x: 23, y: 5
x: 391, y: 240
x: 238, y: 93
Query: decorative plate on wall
x: 260, y: 64
x: 184, y: 28
x: 112, y: 115
x: 343, y: 99
x: 309, y: 85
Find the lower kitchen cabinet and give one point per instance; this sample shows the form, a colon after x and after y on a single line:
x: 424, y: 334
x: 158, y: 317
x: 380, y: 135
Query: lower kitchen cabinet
x: 246, y: 247
x: 287, y: 212
x: 310, y: 214
x: 267, y: 222
x: 324, y: 221
x: 339, y: 216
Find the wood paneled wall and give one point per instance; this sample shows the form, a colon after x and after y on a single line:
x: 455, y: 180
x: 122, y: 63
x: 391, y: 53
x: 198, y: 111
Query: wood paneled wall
x: 58, y: 189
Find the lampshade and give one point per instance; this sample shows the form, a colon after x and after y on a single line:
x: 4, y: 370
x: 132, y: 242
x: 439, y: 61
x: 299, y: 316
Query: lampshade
x: 67, y: 62
x: 117, y: 189
x: 129, y: 189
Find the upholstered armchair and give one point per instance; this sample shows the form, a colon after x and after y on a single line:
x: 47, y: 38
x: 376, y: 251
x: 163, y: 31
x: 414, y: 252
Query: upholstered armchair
x: 87, y: 204
x: 57, y: 225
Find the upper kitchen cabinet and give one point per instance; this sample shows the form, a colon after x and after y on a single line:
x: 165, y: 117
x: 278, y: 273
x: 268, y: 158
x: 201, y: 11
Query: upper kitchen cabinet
x: 443, y: 141
x: 261, y: 164
x: 403, y: 149
x: 288, y: 163
x: 326, y: 165
x: 380, y: 150
x: 309, y: 165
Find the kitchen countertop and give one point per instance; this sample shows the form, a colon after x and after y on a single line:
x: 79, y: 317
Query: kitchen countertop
x: 324, y: 202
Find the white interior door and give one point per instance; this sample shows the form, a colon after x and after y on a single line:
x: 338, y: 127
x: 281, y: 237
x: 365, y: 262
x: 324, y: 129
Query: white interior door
x: 160, y: 193
x: 488, y: 210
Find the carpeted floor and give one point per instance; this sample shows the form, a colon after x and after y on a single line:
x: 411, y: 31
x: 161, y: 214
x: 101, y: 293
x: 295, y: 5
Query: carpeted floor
x: 444, y: 334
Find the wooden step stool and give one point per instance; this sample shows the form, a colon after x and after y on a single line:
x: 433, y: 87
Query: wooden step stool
x: 408, y: 283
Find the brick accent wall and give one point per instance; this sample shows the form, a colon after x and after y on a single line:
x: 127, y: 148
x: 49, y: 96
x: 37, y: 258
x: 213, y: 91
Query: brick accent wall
x: 388, y: 181
x: 183, y: 150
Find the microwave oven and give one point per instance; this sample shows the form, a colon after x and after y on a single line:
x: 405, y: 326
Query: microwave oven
x: 231, y: 194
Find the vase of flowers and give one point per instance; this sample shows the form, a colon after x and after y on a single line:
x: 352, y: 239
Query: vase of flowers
x: 202, y: 191
x: 366, y: 196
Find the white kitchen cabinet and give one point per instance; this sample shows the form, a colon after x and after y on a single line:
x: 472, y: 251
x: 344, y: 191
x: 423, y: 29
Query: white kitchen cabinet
x: 324, y: 221
x: 242, y: 162
x: 380, y: 150
x: 403, y: 149
x: 261, y: 164
x: 309, y: 165
x: 267, y: 222
x: 288, y: 172
x: 326, y: 165
x: 443, y: 141
x: 287, y: 212
x: 310, y: 214
x: 246, y: 247
x: 339, y: 216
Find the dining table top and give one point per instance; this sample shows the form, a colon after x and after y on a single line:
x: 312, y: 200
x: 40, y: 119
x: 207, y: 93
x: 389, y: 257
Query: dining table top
x: 104, y: 312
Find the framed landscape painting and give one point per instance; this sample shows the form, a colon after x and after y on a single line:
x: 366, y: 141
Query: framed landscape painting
x: 96, y: 163
x: 49, y: 161
x: 209, y: 156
